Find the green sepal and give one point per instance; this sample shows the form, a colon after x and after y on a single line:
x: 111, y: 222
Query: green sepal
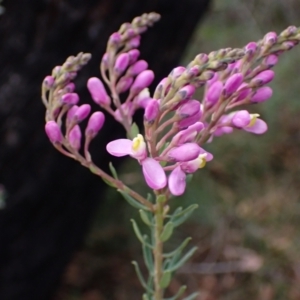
x: 179, y: 249
x: 177, y: 211
x: 138, y: 234
x: 134, y: 131
x: 145, y: 217
x: 141, y: 278
x: 113, y: 171
x: 147, y: 254
x: 181, y: 217
x: 165, y: 279
x: 191, y: 297
x: 179, y: 293
x: 167, y: 232
x: 182, y: 261
x: 132, y: 201
x: 161, y: 198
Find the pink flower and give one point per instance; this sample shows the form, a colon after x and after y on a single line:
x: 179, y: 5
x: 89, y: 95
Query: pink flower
x: 176, y: 182
x: 185, y: 152
x: 97, y: 91
x: 154, y: 174
x: 53, y: 132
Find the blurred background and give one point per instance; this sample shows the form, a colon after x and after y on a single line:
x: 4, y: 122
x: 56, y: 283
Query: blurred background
x: 247, y: 226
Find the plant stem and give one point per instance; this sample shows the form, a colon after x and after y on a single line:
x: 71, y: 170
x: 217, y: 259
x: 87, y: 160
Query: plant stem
x: 158, y: 251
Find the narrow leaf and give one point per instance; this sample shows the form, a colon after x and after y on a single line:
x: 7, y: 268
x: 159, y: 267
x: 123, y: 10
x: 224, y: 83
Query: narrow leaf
x: 141, y: 278
x: 145, y: 297
x: 191, y: 297
x: 138, y: 234
x: 132, y: 201
x: 148, y: 258
x: 179, y: 293
x: 179, y: 249
x: 167, y: 232
x: 108, y: 182
x: 161, y: 198
x: 165, y: 280
x: 149, y: 197
x: 183, y: 260
x: 184, y: 215
x: 145, y: 217
x: 113, y: 170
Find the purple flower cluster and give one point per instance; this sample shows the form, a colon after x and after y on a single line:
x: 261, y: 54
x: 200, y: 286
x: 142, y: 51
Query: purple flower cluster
x: 176, y: 122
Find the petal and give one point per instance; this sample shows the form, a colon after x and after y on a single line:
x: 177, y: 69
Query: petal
x: 259, y: 127
x: 177, y: 182
x: 184, y: 152
x: 119, y: 147
x: 154, y: 174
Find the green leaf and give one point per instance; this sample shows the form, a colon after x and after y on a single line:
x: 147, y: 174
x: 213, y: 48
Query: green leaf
x: 134, y: 130
x: 145, y: 217
x: 108, y: 182
x: 182, y: 261
x: 166, y: 279
x: 183, y: 215
x: 138, y: 234
x: 179, y: 249
x: 191, y: 297
x: 132, y: 201
x: 141, y: 278
x: 113, y: 170
x: 167, y: 232
x: 145, y: 297
x: 148, y: 258
x: 179, y: 293
x: 177, y: 211
x: 149, y: 197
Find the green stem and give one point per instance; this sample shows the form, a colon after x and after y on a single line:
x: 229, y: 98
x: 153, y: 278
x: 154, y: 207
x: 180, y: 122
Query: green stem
x: 158, y: 251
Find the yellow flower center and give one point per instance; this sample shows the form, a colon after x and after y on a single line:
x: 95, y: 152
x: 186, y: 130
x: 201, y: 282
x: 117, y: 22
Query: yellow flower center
x: 253, y: 119
x: 137, y: 142
x: 202, y: 160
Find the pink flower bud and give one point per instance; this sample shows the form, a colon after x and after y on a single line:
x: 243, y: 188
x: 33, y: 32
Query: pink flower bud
x: 104, y: 60
x: 133, y: 55
x: 213, y: 93
x: 176, y: 72
x: 271, y: 38
x: 53, y: 132
x: 232, y: 83
x: 128, y: 111
x: 213, y: 80
x: 184, y: 123
x: 187, y: 109
x: 241, y: 119
x: 243, y: 92
x: 70, y: 98
x: 154, y: 174
x: 95, y: 124
x: 71, y: 114
x: 151, y: 111
x: 137, y: 68
x: 262, y: 94
x: 186, y: 92
x: 97, y: 91
x: 176, y: 182
x: 124, y: 84
x: 202, y: 58
x: 163, y: 85
x: 121, y: 63
x: 271, y: 60
x: 48, y: 82
x: 74, y: 137
x: 143, y: 80
x: 115, y: 38
x: 82, y: 112
x: 184, y: 152
x: 252, y: 46
x: 263, y: 78
x: 134, y: 42
x: 187, y: 135
x: 70, y: 87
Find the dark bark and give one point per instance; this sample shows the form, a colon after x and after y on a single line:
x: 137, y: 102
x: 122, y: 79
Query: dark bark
x: 51, y: 199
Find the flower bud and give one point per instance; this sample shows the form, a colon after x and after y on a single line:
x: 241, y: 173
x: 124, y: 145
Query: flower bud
x: 187, y: 109
x: 82, y: 112
x: 70, y: 98
x: 133, y: 55
x: 143, y: 80
x: 97, y: 91
x: 252, y: 47
x: 134, y: 42
x: 71, y: 113
x: 263, y: 78
x: 243, y: 92
x: 184, y: 152
x: 121, y: 63
x: 184, y: 123
x: 151, y: 111
x: 53, y: 132
x: 186, y: 92
x: 48, y: 82
x: 213, y: 93
x: 262, y: 94
x: 212, y: 80
x: 115, y: 39
x: 270, y: 38
x: 128, y: 111
x: 137, y: 68
x: 241, y: 119
x: 104, y: 60
x: 187, y: 135
x: 176, y: 72
x: 271, y: 60
x: 70, y: 87
x: 74, y: 137
x: 124, y: 84
x: 95, y: 124
x: 232, y: 83
x: 177, y: 182
x: 142, y: 99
